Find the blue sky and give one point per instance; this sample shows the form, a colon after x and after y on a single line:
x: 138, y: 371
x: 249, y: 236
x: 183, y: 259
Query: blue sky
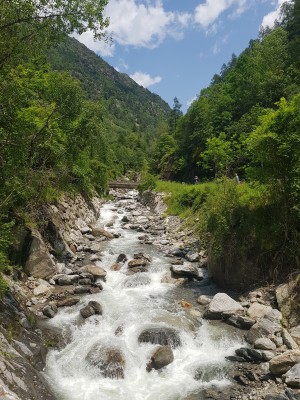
x: 174, y: 47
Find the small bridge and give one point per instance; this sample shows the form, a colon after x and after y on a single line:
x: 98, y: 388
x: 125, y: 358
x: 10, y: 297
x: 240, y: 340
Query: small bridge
x: 122, y: 185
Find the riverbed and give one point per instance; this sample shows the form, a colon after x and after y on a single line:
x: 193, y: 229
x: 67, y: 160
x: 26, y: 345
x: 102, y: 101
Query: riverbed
x: 133, y: 303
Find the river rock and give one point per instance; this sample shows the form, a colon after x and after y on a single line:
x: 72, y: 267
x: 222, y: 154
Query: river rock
x: 192, y: 257
x: 265, y: 327
x: 85, y: 230
x: 138, y: 256
x: 71, y: 301
x: 116, y: 267
x: 43, y: 288
x: 140, y: 262
x: 188, y: 271
x: 96, y: 306
x: 87, y: 311
x: 204, y: 299
x: 220, y: 303
x: 122, y: 258
x: 163, y: 336
x: 108, y: 360
x: 82, y: 290
x: 240, y: 321
x: 102, y: 232
x: 264, y: 344
x: 292, y: 377
x: 250, y: 355
x: 162, y: 357
x: 283, y: 362
x: 257, y: 310
x: 50, y: 310
x: 66, y: 280
x: 96, y: 271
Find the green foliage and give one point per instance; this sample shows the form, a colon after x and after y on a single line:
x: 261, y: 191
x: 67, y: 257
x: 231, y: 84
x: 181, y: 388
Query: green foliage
x: 29, y: 25
x: 147, y: 182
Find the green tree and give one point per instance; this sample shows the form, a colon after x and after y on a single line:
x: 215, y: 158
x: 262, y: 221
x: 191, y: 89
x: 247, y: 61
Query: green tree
x: 28, y: 25
x: 175, y: 114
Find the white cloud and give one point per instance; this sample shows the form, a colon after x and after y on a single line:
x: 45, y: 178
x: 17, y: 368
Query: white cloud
x: 206, y: 14
x: 270, y: 18
x: 145, y: 80
x: 133, y: 23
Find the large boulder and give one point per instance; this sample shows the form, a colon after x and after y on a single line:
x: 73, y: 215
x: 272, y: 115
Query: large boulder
x: 109, y: 361
x: 39, y: 263
x: 266, y: 326
x: 283, y: 362
x: 257, y: 310
x: 292, y: 377
x: 160, y: 358
x: 222, y: 303
x: 160, y: 335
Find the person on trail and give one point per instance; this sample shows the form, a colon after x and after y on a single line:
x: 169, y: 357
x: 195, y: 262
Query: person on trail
x: 196, y: 179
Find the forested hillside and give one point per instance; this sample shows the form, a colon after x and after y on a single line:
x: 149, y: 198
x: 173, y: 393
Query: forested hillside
x: 68, y: 121
x: 247, y: 122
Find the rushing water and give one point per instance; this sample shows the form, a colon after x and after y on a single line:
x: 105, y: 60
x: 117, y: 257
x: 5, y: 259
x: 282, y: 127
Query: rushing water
x: 130, y: 304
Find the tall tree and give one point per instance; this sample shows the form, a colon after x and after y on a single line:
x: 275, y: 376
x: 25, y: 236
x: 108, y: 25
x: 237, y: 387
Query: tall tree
x: 293, y: 28
x: 175, y: 114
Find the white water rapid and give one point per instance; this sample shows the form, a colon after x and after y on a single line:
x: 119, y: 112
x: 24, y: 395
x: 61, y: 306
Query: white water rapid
x: 132, y: 303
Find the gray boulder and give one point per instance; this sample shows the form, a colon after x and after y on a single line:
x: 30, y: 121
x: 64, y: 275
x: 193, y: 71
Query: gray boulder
x: 87, y: 311
x: 192, y: 256
x: 109, y: 361
x: 187, y: 271
x: 264, y: 344
x: 96, y: 306
x: 292, y: 377
x: 222, y: 303
x: 162, y: 357
x: 39, y: 263
x: 50, y: 310
x: 265, y: 327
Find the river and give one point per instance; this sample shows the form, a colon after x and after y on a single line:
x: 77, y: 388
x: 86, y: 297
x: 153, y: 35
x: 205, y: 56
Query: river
x: 131, y: 304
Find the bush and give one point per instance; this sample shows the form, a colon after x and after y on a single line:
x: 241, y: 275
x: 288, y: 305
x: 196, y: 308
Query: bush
x: 147, y: 182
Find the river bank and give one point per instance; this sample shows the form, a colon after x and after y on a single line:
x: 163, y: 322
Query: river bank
x: 161, y: 275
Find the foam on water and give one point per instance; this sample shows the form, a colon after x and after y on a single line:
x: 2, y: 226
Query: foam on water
x: 129, y: 309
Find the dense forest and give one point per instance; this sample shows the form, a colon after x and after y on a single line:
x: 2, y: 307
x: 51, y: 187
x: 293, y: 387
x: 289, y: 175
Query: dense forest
x: 245, y: 126
x: 70, y: 122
